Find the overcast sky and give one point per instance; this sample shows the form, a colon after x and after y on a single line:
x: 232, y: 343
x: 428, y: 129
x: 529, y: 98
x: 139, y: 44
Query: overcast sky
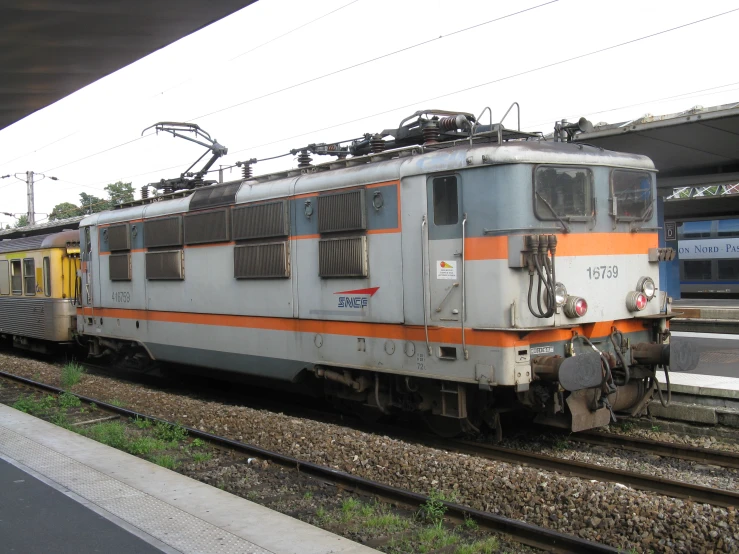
x: 228, y: 66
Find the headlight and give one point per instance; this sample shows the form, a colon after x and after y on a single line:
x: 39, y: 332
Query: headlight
x: 636, y: 301
x: 560, y: 294
x: 575, y: 306
x: 647, y: 286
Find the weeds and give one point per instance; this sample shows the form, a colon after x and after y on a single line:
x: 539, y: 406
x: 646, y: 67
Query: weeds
x: 141, y: 423
x: 198, y: 443
x: 470, y: 524
x: 170, y: 433
x: 436, y: 538
x: 308, y: 495
x: 199, y: 457
x: 488, y: 546
x: 71, y: 374
x: 110, y: 433
x: 168, y: 462
x: 117, y: 403
x: 60, y: 419
x: 143, y: 446
x: 30, y: 405
x: 433, y: 510
x: 68, y: 401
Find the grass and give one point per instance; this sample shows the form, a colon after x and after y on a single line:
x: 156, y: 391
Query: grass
x: 198, y: 443
x: 141, y: 423
x: 170, y: 433
x: 117, y: 403
x: 199, y: 457
x: 433, y: 510
x: 487, y: 546
x: 435, y: 538
x: 71, y: 374
x: 31, y: 405
x: 68, y: 401
x: 308, y: 495
x: 167, y: 461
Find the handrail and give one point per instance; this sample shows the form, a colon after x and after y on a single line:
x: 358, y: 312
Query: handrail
x: 464, y: 344
x: 477, y: 121
x: 500, y: 124
x: 423, y: 280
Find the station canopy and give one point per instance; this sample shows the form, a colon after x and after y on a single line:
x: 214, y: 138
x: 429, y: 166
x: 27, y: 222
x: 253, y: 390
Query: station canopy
x: 52, y: 48
x: 696, y: 147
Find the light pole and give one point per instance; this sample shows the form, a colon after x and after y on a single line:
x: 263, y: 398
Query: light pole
x: 29, y: 178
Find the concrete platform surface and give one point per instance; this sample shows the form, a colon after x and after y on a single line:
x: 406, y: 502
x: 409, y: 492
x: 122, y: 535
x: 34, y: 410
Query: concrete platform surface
x: 154, y: 508
x: 702, y: 385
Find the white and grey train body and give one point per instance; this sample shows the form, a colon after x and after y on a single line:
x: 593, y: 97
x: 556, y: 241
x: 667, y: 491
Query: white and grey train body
x: 401, y: 280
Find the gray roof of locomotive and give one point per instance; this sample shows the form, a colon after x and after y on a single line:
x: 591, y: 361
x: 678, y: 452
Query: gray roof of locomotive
x: 388, y: 166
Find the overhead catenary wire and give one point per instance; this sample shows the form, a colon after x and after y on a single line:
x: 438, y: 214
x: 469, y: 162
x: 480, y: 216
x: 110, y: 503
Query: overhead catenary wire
x: 451, y: 93
x: 371, y: 60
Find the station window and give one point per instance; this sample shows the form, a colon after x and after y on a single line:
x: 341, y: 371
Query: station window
x: 47, y: 276
x: 446, y: 205
x: 563, y: 192
x: 728, y: 227
x: 694, y: 230
x: 16, y: 277
x: 29, y: 276
x: 697, y: 270
x: 728, y: 270
x: 632, y: 194
x: 4, y: 277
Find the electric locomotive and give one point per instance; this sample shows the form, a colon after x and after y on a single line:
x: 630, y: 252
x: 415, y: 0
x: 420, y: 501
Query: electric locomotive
x: 444, y: 267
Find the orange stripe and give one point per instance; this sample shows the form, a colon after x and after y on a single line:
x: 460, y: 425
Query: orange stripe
x: 349, y: 328
x: 580, y: 244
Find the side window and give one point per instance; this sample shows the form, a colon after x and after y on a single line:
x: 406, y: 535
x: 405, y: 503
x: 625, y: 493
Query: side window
x: 29, y: 276
x: 16, y: 277
x: 563, y: 192
x: 446, y: 206
x: 632, y: 194
x: 697, y: 270
x: 4, y: 277
x: 47, y: 276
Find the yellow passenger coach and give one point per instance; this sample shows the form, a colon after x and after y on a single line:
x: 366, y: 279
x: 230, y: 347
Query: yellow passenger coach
x: 38, y: 288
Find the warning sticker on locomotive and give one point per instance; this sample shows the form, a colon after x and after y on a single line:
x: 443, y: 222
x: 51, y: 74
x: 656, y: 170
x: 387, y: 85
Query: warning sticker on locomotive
x: 446, y: 270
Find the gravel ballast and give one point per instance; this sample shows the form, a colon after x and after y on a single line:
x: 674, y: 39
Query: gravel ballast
x: 603, y: 512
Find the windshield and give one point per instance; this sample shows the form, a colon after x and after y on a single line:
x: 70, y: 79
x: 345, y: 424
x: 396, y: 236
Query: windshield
x: 632, y: 194
x: 563, y: 192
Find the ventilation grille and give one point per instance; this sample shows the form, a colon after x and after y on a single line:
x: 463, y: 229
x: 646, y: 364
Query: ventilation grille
x: 218, y: 195
x: 262, y: 261
x: 344, y: 257
x: 343, y: 211
x: 261, y: 221
x: 165, y: 265
x: 206, y: 227
x: 119, y: 238
x: 119, y: 267
x: 163, y: 232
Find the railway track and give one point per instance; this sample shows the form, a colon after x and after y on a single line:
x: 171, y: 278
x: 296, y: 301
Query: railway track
x: 658, y: 448
x: 520, y: 531
x: 642, y: 481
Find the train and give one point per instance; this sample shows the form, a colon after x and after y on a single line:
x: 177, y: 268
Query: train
x: 708, y: 254
x: 443, y: 268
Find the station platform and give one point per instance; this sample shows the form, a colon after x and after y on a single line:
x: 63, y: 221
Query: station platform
x: 706, y: 315
x: 698, y: 398
x: 61, y: 492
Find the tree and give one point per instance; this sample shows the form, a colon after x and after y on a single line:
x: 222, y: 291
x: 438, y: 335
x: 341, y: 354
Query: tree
x: 63, y: 211
x: 119, y: 193
x: 22, y: 221
x: 90, y: 204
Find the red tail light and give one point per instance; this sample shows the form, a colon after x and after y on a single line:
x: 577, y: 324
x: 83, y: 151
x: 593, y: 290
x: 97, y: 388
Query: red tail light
x: 636, y: 301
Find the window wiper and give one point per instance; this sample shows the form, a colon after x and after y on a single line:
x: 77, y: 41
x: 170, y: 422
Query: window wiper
x: 554, y: 213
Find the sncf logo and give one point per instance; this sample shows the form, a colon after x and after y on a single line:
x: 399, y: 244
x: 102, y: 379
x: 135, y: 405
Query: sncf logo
x: 357, y: 299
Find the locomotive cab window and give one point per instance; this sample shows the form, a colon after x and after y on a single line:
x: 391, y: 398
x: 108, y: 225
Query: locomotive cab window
x: 563, y: 193
x: 446, y: 205
x: 632, y: 194
x: 16, y: 277
x: 4, y: 277
x: 29, y: 276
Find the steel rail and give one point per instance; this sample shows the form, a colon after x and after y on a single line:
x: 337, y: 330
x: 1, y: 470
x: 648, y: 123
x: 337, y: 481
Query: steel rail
x: 521, y: 531
x: 661, y: 448
x: 696, y: 493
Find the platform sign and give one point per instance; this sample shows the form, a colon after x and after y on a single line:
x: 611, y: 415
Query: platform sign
x: 670, y: 230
